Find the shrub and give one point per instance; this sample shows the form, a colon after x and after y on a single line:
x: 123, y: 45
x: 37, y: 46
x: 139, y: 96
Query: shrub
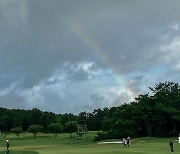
x: 101, y: 136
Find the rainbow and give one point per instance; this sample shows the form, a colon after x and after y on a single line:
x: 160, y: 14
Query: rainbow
x: 98, y: 50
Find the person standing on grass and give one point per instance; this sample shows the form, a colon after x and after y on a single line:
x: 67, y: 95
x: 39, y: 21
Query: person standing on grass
x: 7, y: 144
x: 171, y: 146
x: 124, y: 142
x: 7, y: 147
x: 128, y: 141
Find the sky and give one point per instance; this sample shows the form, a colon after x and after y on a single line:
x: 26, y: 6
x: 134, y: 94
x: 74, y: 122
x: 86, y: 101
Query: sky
x: 70, y: 56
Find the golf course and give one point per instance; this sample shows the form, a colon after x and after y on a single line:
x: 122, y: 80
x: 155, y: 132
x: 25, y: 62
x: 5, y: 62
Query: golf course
x: 64, y: 144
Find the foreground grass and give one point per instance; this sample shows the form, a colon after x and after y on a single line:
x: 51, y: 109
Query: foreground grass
x: 63, y: 144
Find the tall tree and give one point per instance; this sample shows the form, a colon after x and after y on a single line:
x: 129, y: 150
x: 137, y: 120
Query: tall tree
x: 55, y: 128
x: 71, y: 127
x: 17, y: 130
x: 35, y: 129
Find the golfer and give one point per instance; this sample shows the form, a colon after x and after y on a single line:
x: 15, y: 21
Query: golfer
x: 171, y: 146
x: 128, y: 141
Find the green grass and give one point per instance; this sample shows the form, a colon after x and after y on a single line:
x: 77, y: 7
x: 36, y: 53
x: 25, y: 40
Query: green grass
x: 63, y: 144
x: 21, y: 152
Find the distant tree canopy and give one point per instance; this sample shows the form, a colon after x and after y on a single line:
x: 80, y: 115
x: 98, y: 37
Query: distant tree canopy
x: 10, y: 118
x: 156, y: 113
x: 35, y: 129
x: 16, y: 130
x: 55, y: 128
x: 71, y: 127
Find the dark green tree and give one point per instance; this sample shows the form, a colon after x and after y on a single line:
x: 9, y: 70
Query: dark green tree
x: 107, y: 124
x: 71, y: 127
x: 55, y: 128
x: 17, y: 130
x: 35, y: 129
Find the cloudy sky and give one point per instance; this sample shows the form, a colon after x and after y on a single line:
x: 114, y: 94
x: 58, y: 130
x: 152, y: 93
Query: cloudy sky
x: 79, y: 55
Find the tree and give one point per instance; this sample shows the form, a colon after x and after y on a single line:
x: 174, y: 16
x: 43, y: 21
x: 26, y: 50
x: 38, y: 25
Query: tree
x: 55, y: 128
x: 36, y: 117
x: 71, y: 127
x: 35, y: 129
x: 6, y: 122
x: 106, y: 124
x: 167, y: 98
x: 16, y: 130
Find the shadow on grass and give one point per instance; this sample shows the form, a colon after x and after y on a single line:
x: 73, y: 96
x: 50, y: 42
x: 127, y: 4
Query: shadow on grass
x: 20, y: 152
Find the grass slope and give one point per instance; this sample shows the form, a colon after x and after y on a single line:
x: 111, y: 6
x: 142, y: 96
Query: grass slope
x: 63, y: 144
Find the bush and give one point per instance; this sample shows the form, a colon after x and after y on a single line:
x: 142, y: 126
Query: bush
x: 121, y: 133
x: 101, y: 136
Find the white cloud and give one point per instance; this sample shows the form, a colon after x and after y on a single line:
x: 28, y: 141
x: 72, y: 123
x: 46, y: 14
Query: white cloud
x: 10, y: 89
x: 61, y: 93
x: 175, y: 26
x: 171, y: 51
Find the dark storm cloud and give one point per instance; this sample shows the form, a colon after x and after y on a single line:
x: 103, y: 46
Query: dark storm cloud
x: 13, y: 101
x: 126, y: 31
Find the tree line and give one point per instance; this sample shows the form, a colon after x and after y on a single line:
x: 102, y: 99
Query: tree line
x: 34, y: 121
x: 156, y: 113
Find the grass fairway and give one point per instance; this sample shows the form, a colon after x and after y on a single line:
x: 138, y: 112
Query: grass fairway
x: 63, y: 144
